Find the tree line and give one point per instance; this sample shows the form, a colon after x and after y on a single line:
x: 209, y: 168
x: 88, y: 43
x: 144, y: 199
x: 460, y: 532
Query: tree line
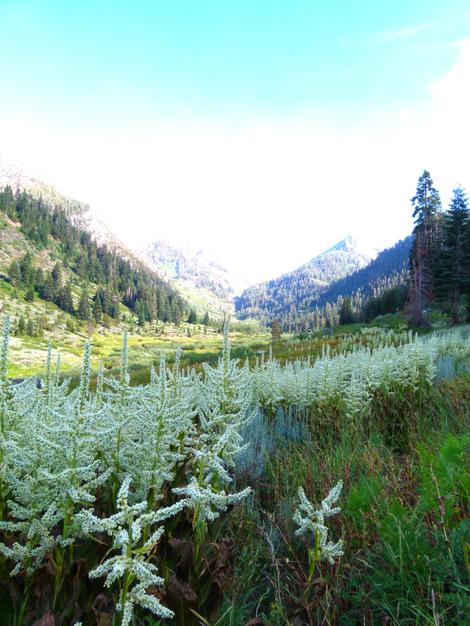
x: 439, y: 272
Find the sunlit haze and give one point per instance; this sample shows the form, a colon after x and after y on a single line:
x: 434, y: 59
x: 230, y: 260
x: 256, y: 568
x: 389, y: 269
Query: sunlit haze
x: 266, y: 134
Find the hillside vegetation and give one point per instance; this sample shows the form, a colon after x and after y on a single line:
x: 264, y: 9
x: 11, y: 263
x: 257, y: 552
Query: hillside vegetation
x: 290, y: 295
x: 311, y: 297
x: 195, y: 272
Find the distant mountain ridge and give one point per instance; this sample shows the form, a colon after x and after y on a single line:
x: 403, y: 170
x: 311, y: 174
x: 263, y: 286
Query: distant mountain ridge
x: 79, y: 213
x: 388, y: 269
x: 311, y: 295
x: 195, y: 270
x: 200, y: 280
x: 294, y: 292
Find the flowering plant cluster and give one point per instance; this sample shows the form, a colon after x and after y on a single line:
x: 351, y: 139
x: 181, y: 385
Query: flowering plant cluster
x: 353, y: 381
x: 115, y: 467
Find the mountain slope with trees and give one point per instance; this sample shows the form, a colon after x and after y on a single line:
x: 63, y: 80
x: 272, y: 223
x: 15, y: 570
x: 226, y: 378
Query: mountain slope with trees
x: 318, y: 303
x: 47, y: 254
x: 297, y: 292
x: 209, y: 285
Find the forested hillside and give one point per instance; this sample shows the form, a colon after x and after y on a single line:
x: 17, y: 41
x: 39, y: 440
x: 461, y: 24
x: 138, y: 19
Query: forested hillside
x: 206, y: 282
x: 297, y: 292
x: 312, y: 296
x: 46, y: 253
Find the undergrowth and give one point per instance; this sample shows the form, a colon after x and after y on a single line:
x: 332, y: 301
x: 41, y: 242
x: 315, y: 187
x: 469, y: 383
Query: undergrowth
x: 329, y: 490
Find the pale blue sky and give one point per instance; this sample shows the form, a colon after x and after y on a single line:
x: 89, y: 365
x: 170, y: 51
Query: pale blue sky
x: 180, y: 110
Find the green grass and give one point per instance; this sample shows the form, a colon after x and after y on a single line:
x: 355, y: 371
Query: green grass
x: 404, y: 521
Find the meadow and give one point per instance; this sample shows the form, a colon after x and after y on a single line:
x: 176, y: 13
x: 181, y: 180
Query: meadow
x: 331, y: 487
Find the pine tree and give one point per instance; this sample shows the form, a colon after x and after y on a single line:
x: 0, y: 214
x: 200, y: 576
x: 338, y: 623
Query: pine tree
x: 452, y: 274
x: 21, y: 326
x: 424, y: 252
x: 14, y: 274
x: 47, y: 290
x: 346, y: 315
x: 29, y: 295
x: 192, y: 317
x: 115, y: 313
x: 97, y: 308
x: 206, y: 320
x: 166, y: 315
x: 140, y: 314
x: 175, y: 314
x: 8, y: 202
x: 27, y: 271
x: 83, y: 310
x: 56, y: 276
x: 64, y: 299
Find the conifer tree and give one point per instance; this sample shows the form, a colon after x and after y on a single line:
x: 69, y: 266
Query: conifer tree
x: 83, y: 311
x: 47, y: 289
x: 166, y: 315
x: 192, y: 317
x: 21, y: 326
x: 56, y: 276
x: 14, y: 274
x: 175, y: 314
x: 452, y: 275
x: 30, y: 328
x: 426, y: 213
x: 346, y: 315
x: 97, y: 308
x: 26, y: 267
x: 64, y: 299
x: 29, y: 295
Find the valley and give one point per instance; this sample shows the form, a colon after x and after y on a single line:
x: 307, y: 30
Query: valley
x: 158, y: 416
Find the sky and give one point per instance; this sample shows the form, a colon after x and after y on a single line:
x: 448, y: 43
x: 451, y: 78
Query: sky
x: 264, y: 130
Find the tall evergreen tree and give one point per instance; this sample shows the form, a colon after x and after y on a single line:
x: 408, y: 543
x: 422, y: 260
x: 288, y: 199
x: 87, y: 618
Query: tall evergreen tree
x: 27, y: 271
x: 30, y: 328
x: 64, y: 299
x: 29, y: 295
x: 83, y: 310
x: 97, y: 308
x: 424, y: 251
x: 14, y: 274
x: 452, y: 275
x: 175, y: 314
x: 346, y: 315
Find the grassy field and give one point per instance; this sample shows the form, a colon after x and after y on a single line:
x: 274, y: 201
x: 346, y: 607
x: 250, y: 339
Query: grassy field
x: 197, y: 346
x: 404, y: 520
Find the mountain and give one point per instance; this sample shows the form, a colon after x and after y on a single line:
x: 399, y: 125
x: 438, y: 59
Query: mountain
x: 313, y: 294
x: 53, y: 250
x: 296, y: 292
x: 197, y: 274
x: 193, y: 274
x: 389, y: 269
x: 79, y: 213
